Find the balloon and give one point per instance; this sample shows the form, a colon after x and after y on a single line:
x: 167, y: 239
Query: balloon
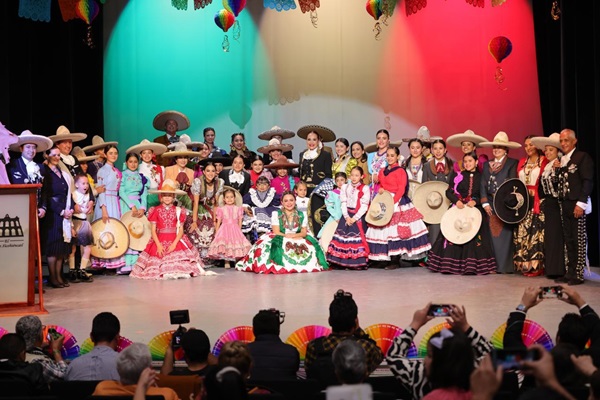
x: 87, y: 10
x: 500, y: 47
x: 224, y: 20
x: 240, y: 115
x: 374, y: 8
x: 234, y: 6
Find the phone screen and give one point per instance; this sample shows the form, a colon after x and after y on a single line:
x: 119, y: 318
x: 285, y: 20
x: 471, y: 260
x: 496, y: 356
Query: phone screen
x: 551, y: 292
x: 512, y: 359
x: 440, y: 310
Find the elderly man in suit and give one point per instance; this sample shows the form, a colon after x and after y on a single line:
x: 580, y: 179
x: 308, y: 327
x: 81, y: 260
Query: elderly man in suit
x: 171, y: 122
x: 577, y: 171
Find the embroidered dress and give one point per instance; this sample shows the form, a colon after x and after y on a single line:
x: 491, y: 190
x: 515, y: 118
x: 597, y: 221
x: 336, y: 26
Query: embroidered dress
x: 263, y: 204
x: 353, y: 162
x: 554, y: 245
x: 81, y: 226
x: 340, y: 164
x: 376, y: 162
x: 405, y: 235
x: 302, y: 203
x: 155, y: 175
x: 183, y: 262
x: 283, y: 184
x: 275, y: 254
x: 254, y: 176
x: 334, y: 208
x: 229, y: 243
x: 348, y: 247
x: 132, y: 193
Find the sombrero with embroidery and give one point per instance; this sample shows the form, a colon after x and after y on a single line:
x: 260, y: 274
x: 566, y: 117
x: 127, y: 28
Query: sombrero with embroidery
x: 511, y: 201
x: 26, y: 137
x: 139, y: 229
x: 98, y: 143
x: 423, y: 135
x: 372, y: 147
x: 111, y: 240
x: 381, y: 209
x: 459, y: 225
x: 80, y: 155
x: 187, y: 140
x: 181, y: 150
x: 431, y: 201
x: 168, y: 186
x: 467, y: 136
x: 63, y: 133
x: 238, y: 197
x: 157, y: 148
x: 326, y: 134
x: 275, y: 144
x: 501, y: 139
x: 161, y: 119
x: 276, y: 131
x: 552, y: 140
x: 282, y: 164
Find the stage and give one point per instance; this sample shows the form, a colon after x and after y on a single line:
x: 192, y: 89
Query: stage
x: 218, y: 303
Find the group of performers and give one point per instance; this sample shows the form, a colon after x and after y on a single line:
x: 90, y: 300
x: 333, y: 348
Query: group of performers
x: 179, y: 207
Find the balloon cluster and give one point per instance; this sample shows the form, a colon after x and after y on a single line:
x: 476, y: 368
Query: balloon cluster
x: 226, y: 18
x: 87, y: 10
x: 380, y: 10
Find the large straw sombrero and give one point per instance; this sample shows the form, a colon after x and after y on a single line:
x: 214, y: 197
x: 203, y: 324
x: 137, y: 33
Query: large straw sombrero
x: 423, y: 135
x: 381, y: 209
x: 501, y: 139
x: 276, y: 131
x: 157, y: 148
x: 80, y: 155
x: 467, y: 136
x: 168, y: 186
x: 187, y: 140
x: 26, y: 137
x: 372, y: 147
x: 180, y: 149
x: 282, y: 164
x: 459, y: 225
x: 238, y: 197
x: 412, y: 186
x: 63, y: 133
x: 275, y: 144
x: 511, y: 201
x: 98, y: 143
x: 139, y: 230
x: 111, y: 240
x: 326, y: 134
x: 541, y: 142
x: 431, y: 201
x: 161, y: 119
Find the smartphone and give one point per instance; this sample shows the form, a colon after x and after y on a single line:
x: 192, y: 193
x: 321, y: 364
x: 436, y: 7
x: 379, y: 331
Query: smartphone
x: 52, y: 334
x: 512, y: 359
x: 440, y: 310
x: 551, y: 292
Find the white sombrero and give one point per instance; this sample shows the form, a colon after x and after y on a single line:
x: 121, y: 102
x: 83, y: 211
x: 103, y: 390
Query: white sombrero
x: 180, y: 149
x: 431, y: 201
x: 168, y: 186
x: 276, y: 131
x: 157, y: 148
x: 80, y: 155
x: 111, y: 240
x: 98, y: 143
x: 501, y: 139
x: 459, y: 225
x: 381, y: 209
x: 139, y: 229
x: 541, y: 142
x: 161, y: 119
x: 26, y: 137
x: 63, y: 133
x: 187, y: 140
x: 467, y: 136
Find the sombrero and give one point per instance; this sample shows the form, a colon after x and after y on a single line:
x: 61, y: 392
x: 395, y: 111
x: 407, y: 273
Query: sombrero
x: 111, y: 240
x: 501, y: 139
x: 381, y: 209
x: 275, y: 144
x: 226, y: 161
x: 327, y: 233
x: 511, y: 201
x: 168, y: 186
x: 276, y: 131
x: 98, y: 143
x: 161, y: 119
x: 412, y: 186
x: 187, y: 140
x: 459, y: 225
x: 238, y: 197
x: 324, y: 133
x: 282, y: 164
x: 541, y: 142
x: 423, y: 135
x: 79, y: 154
x: 157, y: 148
x: 26, y: 137
x: 431, y: 201
x: 63, y: 133
x: 180, y: 149
x: 372, y: 147
x: 139, y: 229
x: 467, y: 136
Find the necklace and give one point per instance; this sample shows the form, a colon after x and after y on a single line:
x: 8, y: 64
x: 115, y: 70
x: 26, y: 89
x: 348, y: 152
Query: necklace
x: 529, y: 167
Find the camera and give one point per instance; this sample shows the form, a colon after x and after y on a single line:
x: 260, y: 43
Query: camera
x: 280, y: 314
x: 440, y: 310
x: 511, y: 359
x: 178, y: 317
x: 551, y: 292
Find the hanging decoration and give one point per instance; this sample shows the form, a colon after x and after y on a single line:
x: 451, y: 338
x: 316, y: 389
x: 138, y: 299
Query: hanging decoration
x: 67, y: 9
x: 412, y: 6
x: 500, y: 47
x: 310, y: 6
x: 555, y: 11
x: 36, y: 10
x: 387, y: 8
x: 201, y: 3
x: 88, y: 10
x: 375, y: 11
x: 280, y: 5
x: 235, y: 7
x: 180, y: 4
x: 476, y: 3
x: 224, y: 20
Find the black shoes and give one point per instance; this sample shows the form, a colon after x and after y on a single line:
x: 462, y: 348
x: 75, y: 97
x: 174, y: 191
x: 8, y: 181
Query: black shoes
x: 84, y: 277
x: 74, y: 276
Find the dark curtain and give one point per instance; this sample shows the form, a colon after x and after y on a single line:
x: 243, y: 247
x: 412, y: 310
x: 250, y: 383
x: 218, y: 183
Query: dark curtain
x: 48, y: 75
x: 568, y: 58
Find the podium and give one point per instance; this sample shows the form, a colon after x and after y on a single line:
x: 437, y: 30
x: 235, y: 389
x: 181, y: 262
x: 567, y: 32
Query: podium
x: 20, y: 251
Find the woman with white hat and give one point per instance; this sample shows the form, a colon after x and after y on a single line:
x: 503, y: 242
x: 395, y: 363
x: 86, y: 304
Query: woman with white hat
x: 468, y: 142
x: 495, y: 172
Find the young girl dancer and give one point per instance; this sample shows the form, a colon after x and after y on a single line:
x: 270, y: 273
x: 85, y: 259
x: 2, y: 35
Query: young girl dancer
x: 259, y: 205
x: 301, y: 200
x: 348, y: 247
x: 82, y: 230
x: 283, y: 181
x: 229, y: 243
x: 258, y: 170
x: 334, y: 208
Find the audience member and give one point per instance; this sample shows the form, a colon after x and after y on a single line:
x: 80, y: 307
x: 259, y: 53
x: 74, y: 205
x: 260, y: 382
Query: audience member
x: 131, y: 363
x: 14, y: 369
x: 343, y: 318
x: 272, y: 359
x: 31, y: 330
x: 196, y: 349
x: 350, y: 362
x: 228, y: 382
x: 100, y: 363
x: 585, y: 365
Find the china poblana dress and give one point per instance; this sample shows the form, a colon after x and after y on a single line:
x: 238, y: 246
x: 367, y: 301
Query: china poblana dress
x: 229, y: 243
x: 275, y: 254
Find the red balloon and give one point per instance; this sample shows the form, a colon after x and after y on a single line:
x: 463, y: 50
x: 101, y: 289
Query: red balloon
x: 500, y: 47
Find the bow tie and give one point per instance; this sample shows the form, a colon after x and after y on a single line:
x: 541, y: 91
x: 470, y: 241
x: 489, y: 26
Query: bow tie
x: 173, y: 139
x: 440, y: 167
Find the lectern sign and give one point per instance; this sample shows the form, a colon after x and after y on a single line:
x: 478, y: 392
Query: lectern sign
x: 14, y: 247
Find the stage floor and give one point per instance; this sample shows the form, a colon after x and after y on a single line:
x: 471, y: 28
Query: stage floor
x: 218, y: 303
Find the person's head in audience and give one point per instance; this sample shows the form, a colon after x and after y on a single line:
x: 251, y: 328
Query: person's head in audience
x: 449, y: 360
x: 105, y: 330
x: 350, y: 362
x: 196, y: 346
x: 266, y: 322
x: 228, y: 381
x: 12, y: 347
x: 565, y: 370
x: 132, y: 361
x: 30, y: 329
x: 595, y: 386
x: 343, y: 313
x: 236, y: 354
x: 571, y: 329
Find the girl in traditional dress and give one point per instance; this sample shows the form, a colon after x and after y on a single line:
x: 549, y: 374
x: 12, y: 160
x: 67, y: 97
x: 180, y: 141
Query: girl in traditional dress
x: 82, y: 229
x: 476, y: 257
x: 377, y: 159
x: 258, y: 170
x: 405, y: 236
x: 147, y: 166
x: 259, y: 205
x: 283, y: 181
x: 170, y: 254
x: 342, y: 156
x: 415, y: 163
x: 288, y: 248
x: 238, y: 148
x: 333, y: 205
x: 359, y: 158
x: 467, y: 141
x: 348, y: 247
x: 301, y: 200
x: 236, y: 177
x: 229, y: 243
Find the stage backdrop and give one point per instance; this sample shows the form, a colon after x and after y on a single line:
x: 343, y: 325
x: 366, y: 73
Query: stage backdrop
x: 432, y: 68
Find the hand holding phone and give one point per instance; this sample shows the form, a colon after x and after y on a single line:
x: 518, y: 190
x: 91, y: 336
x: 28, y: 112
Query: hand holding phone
x: 440, y: 310
x: 551, y: 292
